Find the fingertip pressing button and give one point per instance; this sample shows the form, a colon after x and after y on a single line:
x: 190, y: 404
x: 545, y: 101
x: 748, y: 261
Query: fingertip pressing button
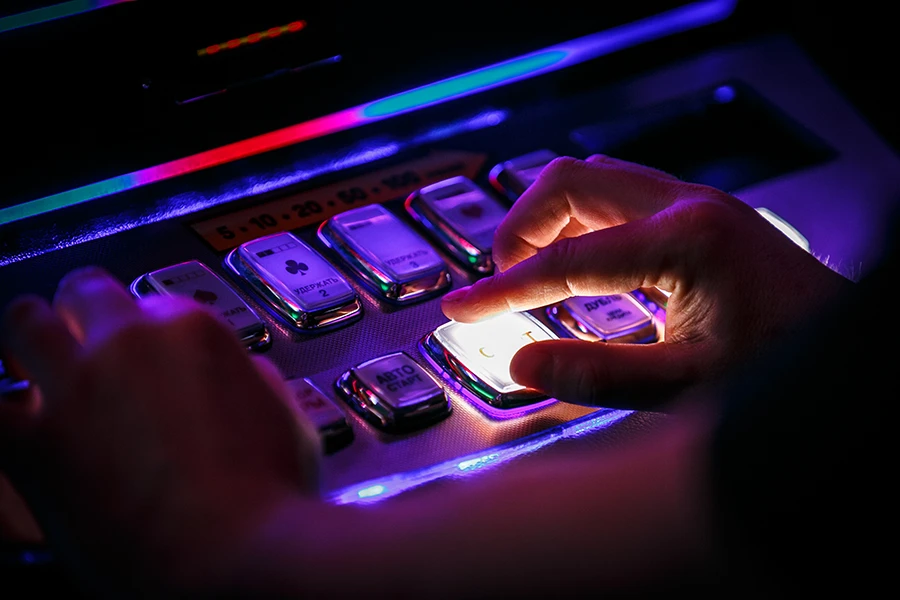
x: 477, y: 357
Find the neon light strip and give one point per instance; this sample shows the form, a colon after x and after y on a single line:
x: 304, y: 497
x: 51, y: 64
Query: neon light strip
x: 523, y: 67
x: 385, y: 487
x: 272, y: 32
x: 56, y: 11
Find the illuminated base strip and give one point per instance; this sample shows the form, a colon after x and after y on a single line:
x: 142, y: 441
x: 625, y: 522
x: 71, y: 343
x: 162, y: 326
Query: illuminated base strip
x: 385, y: 487
x: 550, y: 59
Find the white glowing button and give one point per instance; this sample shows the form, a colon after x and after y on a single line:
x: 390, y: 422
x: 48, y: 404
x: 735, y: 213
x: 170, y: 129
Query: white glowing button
x: 486, y: 348
x: 785, y: 228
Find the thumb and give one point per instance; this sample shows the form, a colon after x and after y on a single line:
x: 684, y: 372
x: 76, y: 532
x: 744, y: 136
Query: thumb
x: 631, y: 376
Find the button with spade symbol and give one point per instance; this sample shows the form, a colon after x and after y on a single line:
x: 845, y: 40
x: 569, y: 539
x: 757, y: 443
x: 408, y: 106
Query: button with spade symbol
x: 303, y: 288
x: 195, y: 280
x: 461, y: 217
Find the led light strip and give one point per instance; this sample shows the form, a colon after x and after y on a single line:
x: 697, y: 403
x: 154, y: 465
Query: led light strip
x: 378, y: 489
x: 55, y: 11
x: 272, y: 32
x: 503, y: 73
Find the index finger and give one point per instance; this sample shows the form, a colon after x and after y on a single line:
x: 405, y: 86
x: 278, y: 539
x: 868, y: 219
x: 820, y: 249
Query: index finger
x: 633, y: 255
x: 595, y: 194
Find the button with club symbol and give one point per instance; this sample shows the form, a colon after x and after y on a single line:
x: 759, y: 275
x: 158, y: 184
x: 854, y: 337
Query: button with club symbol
x: 301, y: 287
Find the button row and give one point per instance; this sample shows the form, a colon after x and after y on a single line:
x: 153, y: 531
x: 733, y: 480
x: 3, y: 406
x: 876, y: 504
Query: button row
x: 393, y: 392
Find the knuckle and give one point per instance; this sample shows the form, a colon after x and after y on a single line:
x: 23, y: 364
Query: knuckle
x: 707, y: 222
x: 558, y: 264
x: 563, y: 168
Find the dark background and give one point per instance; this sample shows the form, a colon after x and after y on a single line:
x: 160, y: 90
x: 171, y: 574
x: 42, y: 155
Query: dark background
x: 854, y: 42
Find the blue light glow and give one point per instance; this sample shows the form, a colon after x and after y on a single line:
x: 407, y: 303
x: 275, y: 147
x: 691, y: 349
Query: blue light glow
x: 477, y: 463
x: 371, y: 491
x: 724, y: 94
x: 386, y: 487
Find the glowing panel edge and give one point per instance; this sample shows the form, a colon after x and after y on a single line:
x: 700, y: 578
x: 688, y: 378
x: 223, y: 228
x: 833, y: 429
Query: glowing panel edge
x: 553, y: 58
x: 375, y: 490
x: 53, y: 12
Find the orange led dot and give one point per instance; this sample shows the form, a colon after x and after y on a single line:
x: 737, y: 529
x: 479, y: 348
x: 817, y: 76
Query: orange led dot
x: 253, y: 38
x: 296, y: 25
x: 274, y: 32
x: 233, y: 43
x: 212, y: 49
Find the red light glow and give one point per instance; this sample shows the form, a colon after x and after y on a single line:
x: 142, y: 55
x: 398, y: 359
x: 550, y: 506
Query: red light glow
x: 272, y: 32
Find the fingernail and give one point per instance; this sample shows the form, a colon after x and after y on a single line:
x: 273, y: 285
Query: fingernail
x: 457, y: 295
x: 532, y: 367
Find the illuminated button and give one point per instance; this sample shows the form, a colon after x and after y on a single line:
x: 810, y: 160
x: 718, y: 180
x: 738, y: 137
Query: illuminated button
x: 195, y: 280
x: 386, y: 253
x: 477, y: 355
x: 394, y: 393
x: 513, y: 177
x: 324, y: 414
x: 613, y: 318
x: 303, y: 288
x: 461, y: 217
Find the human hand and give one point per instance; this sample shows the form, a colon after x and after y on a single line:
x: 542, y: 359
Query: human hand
x: 149, y: 441
x: 605, y: 226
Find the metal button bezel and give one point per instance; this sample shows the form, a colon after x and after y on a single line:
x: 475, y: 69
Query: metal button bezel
x: 301, y: 320
x: 375, y: 277
x: 376, y: 410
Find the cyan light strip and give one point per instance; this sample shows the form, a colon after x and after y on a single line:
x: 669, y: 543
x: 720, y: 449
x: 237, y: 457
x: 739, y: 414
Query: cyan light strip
x: 550, y: 59
x: 55, y: 11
